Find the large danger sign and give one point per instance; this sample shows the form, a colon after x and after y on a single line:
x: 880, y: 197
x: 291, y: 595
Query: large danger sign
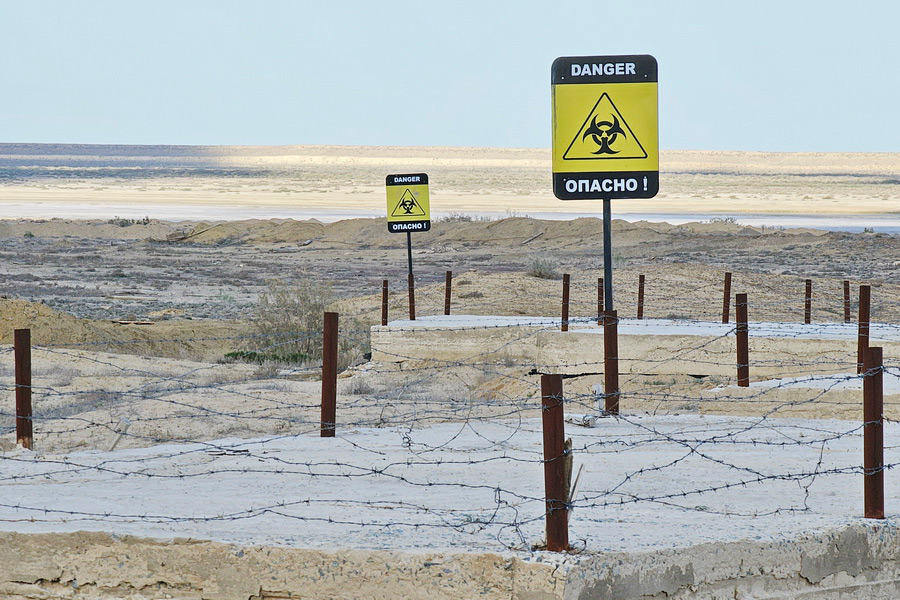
x: 407, y: 203
x: 605, y: 127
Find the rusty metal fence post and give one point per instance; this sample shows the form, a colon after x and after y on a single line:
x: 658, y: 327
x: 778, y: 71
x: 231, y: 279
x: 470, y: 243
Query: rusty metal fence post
x: 384, y: 302
x: 599, y: 301
x: 640, y: 304
x: 555, y: 492
x: 329, y: 375
x: 865, y: 300
x: 565, y: 303
x: 743, y: 340
x: 846, y: 301
x: 726, y: 300
x: 448, y: 283
x: 611, y: 391
x: 873, y: 433
x: 22, y: 351
x: 807, y: 304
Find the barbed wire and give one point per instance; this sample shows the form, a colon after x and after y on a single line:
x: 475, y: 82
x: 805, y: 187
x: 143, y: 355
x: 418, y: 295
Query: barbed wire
x: 440, y: 442
x: 440, y: 439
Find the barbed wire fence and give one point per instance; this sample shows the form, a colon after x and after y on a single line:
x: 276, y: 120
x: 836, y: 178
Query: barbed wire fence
x: 444, y: 428
x: 676, y: 295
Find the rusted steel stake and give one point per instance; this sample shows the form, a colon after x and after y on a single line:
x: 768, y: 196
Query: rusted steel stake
x: 743, y: 340
x: 329, y: 374
x: 807, y: 305
x: 846, y: 301
x: 611, y: 361
x: 726, y: 300
x: 384, y: 302
x: 599, y: 301
x: 565, y: 303
x: 865, y: 299
x: 22, y: 351
x: 873, y: 433
x: 448, y: 284
x: 411, y: 282
x: 640, y: 306
x: 555, y: 491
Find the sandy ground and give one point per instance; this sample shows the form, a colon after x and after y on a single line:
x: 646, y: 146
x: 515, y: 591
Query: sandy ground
x: 102, y: 271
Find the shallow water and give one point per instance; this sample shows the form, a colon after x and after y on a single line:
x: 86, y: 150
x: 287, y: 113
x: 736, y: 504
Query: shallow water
x: 187, y: 212
x: 849, y: 223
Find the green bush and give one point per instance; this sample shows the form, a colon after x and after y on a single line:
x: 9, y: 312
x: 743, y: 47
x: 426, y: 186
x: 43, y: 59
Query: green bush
x: 251, y: 356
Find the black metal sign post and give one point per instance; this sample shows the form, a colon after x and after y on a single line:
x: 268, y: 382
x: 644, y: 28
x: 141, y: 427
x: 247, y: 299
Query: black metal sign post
x: 408, y: 210
x: 410, y: 280
x: 607, y: 254
x: 605, y: 135
x: 409, y: 252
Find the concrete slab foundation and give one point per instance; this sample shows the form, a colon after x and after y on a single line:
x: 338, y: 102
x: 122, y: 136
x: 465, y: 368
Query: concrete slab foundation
x: 861, y: 560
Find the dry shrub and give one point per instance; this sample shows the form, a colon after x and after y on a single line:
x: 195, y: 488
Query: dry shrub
x: 543, y: 269
x: 473, y: 294
x: 291, y: 317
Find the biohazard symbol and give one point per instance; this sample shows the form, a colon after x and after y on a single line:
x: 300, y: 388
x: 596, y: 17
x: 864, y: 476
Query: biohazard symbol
x: 605, y: 134
x: 408, y: 206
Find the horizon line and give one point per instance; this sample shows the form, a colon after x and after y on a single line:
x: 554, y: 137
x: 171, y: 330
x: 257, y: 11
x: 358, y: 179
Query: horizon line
x: 402, y: 146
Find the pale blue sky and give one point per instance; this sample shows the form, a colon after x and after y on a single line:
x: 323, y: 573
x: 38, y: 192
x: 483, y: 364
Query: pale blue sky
x: 760, y: 75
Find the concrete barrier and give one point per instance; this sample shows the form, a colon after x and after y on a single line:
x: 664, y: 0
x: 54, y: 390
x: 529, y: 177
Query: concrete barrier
x: 861, y: 560
x: 838, y: 396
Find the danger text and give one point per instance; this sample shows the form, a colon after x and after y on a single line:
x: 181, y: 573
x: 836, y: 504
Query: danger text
x: 416, y: 226
x: 594, y: 69
x: 603, y: 185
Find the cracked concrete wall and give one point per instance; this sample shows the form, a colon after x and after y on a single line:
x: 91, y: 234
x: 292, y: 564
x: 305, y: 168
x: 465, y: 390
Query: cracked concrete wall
x: 858, y: 561
x: 97, y: 565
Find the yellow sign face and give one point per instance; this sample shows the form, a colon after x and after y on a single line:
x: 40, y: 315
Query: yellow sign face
x: 605, y: 127
x: 408, y: 209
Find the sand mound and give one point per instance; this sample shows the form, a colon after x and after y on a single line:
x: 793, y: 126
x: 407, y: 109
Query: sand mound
x: 49, y: 326
x: 178, y: 339
x: 373, y: 232
x: 513, y: 230
x: 255, y: 231
x: 121, y: 229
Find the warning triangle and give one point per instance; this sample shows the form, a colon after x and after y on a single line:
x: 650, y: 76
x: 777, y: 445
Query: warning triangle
x: 408, y: 206
x: 604, y: 135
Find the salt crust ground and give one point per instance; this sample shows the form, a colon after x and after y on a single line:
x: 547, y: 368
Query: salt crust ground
x: 209, y: 492
x: 338, y: 178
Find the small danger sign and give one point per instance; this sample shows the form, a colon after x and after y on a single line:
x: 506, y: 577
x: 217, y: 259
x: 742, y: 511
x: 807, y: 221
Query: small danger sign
x: 407, y: 203
x: 605, y: 127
